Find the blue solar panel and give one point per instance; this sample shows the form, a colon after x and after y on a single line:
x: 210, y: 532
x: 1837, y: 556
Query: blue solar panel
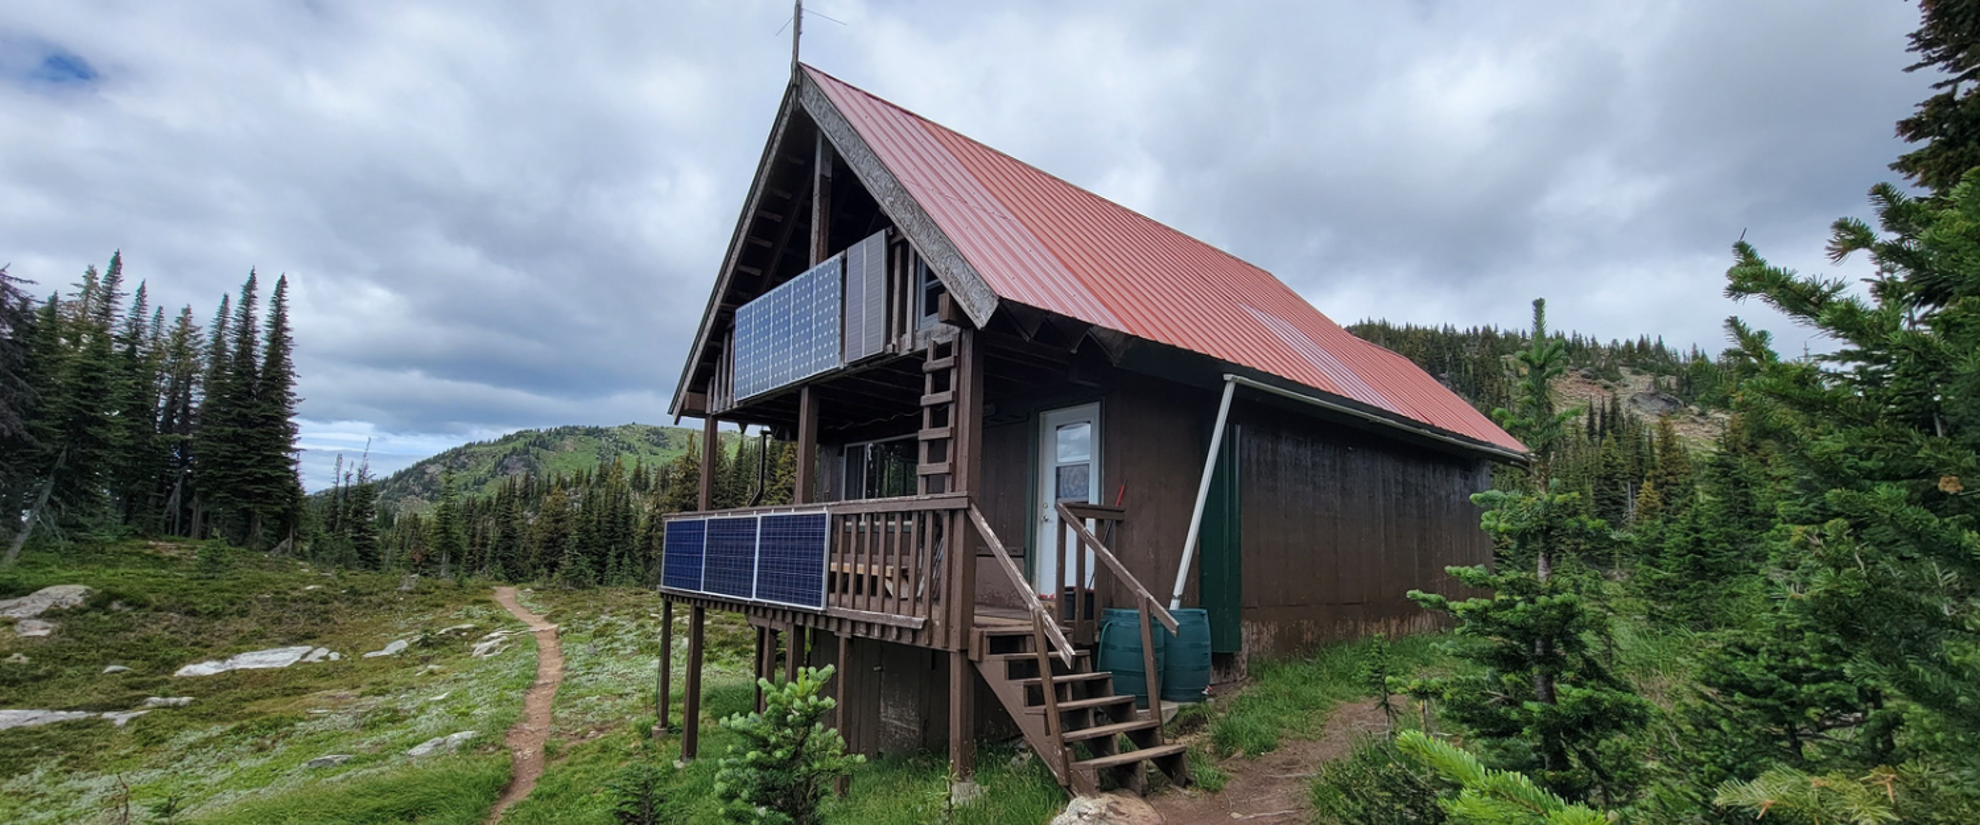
x: 790, y: 561
x: 729, y: 565
x: 791, y: 332
x: 680, y: 561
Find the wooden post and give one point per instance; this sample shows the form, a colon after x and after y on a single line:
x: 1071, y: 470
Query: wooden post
x: 807, y: 446
x: 962, y: 717
x: 793, y: 652
x: 821, y: 201
x: 666, y: 662
x: 708, y: 447
x: 766, y: 652
x: 1151, y: 670
x: 840, y: 718
x: 691, y: 703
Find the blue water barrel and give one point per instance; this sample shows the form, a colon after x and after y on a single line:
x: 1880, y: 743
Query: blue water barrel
x: 1120, y: 652
x: 1186, y: 671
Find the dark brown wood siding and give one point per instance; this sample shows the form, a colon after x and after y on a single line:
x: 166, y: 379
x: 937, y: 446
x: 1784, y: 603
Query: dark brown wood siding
x: 1339, y: 524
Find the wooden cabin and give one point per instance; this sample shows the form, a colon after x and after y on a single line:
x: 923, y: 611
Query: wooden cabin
x: 1017, y: 404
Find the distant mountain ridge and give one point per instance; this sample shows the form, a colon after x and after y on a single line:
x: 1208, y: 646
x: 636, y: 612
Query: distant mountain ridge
x: 480, y: 467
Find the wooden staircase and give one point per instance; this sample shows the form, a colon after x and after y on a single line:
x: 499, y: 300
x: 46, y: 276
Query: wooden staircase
x: 1071, y: 715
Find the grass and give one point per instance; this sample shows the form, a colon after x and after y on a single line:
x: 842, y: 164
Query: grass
x: 239, y: 748
x: 1293, y: 697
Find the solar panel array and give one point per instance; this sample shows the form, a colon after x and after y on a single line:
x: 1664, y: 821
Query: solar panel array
x: 777, y: 558
x: 791, y: 332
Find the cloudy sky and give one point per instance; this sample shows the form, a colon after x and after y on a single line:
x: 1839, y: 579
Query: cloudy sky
x: 506, y: 215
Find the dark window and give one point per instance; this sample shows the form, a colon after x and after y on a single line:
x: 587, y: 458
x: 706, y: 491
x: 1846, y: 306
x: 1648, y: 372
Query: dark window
x: 929, y: 291
x: 880, y: 469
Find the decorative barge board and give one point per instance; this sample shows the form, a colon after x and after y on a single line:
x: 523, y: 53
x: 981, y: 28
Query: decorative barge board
x: 1004, y: 391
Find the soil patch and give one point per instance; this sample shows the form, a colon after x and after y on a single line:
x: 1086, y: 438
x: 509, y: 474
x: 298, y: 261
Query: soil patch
x: 1276, y: 787
x: 526, y: 739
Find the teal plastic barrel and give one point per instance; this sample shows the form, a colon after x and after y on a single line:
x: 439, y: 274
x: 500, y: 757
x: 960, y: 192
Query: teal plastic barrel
x: 1120, y: 652
x: 1186, y: 670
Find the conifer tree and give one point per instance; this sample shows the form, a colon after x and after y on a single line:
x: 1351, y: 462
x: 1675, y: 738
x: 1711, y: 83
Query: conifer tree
x: 1947, y: 124
x: 446, y: 536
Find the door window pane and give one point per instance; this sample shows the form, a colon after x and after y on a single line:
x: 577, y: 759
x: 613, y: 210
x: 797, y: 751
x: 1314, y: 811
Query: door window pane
x: 1073, y: 482
x: 1075, y: 442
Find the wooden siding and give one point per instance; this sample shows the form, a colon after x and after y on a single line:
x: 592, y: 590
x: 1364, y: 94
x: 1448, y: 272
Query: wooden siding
x: 1339, y: 525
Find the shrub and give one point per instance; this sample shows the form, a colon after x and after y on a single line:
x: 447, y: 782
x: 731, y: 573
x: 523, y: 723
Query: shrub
x: 779, y: 774
x: 639, y: 795
x: 1375, y: 784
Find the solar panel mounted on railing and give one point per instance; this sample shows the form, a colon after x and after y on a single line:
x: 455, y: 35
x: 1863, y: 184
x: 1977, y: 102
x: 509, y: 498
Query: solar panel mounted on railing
x: 680, y: 554
x: 790, y: 559
x: 791, y: 332
x: 729, y: 564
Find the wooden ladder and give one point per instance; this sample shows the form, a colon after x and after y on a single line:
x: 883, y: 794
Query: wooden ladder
x: 936, y: 454
x: 1071, y: 715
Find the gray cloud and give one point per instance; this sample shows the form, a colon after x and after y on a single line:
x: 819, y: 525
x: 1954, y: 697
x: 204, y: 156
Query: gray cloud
x: 507, y: 215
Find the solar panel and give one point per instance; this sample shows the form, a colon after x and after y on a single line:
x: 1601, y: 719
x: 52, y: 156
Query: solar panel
x: 791, y: 332
x: 729, y: 564
x: 866, y: 299
x: 790, y: 559
x: 680, y: 554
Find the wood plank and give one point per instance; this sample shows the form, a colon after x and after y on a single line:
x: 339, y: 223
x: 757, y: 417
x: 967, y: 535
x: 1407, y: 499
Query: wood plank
x: 938, y: 364
x: 936, y: 433
x: 935, y: 469
x: 1130, y: 757
x: 883, y: 619
x: 937, y: 399
x: 1107, y: 731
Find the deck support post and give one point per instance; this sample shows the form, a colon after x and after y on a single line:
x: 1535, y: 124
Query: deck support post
x: 843, y: 692
x: 962, y: 720
x: 691, y: 702
x: 793, y: 652
x: 708, y: 447
x: 766, y: 656
x: 807, y: 447
x: 666, y: 698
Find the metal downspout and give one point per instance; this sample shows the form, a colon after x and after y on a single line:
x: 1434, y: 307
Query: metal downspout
x: 1203, y: 490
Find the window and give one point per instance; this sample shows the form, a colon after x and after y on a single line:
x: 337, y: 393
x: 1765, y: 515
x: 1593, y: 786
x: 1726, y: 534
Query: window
x: 928, y: 292
x: 880, y: 469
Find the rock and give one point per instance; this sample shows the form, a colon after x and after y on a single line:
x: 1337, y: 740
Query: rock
x: 119, y: 717
x: 318, y: 655
x: 40, y: 601
x: 965, y: 792
x: 1655, y: 403
x: 441, y: 698
x: 488, y: 647
x: 116, y: 669
x: 17, y: 659
x: 440, y: 744
x: 34, y: 627
x: 392, y: 648
x: 1107, y: 809
x: 275, y: 657
x: 335, y: 656
x: 313, y: 587
x: 166, y: 701
x: 31, y: 718
x: 328, y: 760
x: 456, y: 630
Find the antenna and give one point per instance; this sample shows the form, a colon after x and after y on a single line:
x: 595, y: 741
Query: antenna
x: 797, y: 33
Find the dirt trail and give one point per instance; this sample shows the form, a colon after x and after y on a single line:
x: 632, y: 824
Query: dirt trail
x: 1277, y: 787
x: 525, y: 740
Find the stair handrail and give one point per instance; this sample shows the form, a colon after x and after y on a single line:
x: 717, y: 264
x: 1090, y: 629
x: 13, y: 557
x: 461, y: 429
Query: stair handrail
x: 1037, y: 605
x: 1092, y: 542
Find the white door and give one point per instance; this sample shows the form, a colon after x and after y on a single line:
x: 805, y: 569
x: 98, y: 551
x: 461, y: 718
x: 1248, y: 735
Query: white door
x: 1068, y: 470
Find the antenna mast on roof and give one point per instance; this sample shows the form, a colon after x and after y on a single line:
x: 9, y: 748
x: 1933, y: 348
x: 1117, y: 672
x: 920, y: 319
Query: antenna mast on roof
x: 797, y: 33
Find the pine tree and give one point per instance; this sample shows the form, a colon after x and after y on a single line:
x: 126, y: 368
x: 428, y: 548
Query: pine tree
x: 1947, y: 40
x: 270, y: 480
x: 446, y: 535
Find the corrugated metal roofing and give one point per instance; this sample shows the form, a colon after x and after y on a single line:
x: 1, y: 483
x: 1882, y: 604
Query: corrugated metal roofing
x: 1043, y: 242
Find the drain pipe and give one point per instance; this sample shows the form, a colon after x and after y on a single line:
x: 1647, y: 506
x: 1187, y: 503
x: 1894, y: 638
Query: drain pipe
x: 1203, y: 490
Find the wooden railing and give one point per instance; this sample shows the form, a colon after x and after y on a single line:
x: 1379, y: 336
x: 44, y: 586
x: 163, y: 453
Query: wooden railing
x: 1044, y: 624
x: 1083, y: 602
x: 1075, y: 517
x: 896, y: 561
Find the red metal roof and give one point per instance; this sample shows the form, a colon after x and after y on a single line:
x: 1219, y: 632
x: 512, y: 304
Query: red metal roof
x: 1043, y: 242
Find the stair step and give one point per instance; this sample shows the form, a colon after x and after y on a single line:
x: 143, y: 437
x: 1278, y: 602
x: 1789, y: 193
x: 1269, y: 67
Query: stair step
x: 1082, y: 704
x: 938, y: 364
x: 1130, y: 757
x: 1108, y: 731
x: 1066, y: 677
x: 1028, y: 656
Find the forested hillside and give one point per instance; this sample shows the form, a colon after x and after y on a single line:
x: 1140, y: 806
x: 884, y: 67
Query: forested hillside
x: 116, y: 419
x: 480, y: 468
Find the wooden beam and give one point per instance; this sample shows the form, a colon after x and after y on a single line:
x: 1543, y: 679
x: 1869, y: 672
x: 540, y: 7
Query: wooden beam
x: 821, y: 201
x: 793, y: 652
x: 807, y: 446
x: 766, y: 654
x: 708, y: 447
x: 691, y: 703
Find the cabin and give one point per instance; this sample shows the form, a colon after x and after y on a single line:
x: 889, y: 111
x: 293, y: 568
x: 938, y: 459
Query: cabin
x: 1018, y: 405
